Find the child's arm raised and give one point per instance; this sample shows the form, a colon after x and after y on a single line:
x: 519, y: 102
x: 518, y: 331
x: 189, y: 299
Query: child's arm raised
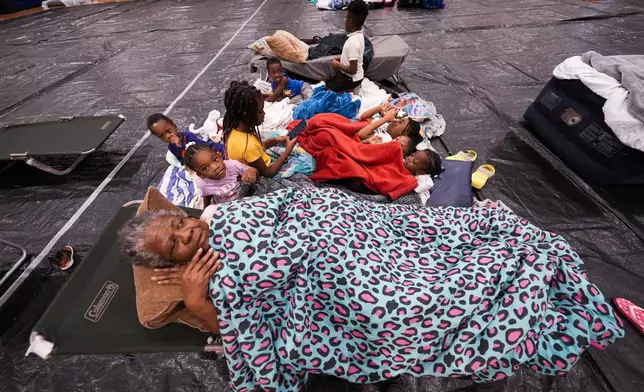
x: 382, y: 109
x: 367, y: 132
x: 276, y: 96
x: 270, y: 171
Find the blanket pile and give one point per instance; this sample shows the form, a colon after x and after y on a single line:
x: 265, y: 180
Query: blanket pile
x: 373, y: 291
x: 325, y: 101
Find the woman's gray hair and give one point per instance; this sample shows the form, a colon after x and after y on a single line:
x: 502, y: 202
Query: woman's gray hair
x: 132, y: 238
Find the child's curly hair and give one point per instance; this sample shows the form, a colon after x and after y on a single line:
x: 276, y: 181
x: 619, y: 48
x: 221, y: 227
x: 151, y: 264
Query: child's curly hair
x: 413, y: 128
x: 413, y: 132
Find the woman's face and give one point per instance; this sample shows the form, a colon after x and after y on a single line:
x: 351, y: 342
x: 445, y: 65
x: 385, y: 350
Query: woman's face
x: 176, y: 238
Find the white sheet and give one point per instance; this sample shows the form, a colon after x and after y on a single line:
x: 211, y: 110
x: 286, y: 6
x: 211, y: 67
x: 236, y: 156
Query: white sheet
x: 370, y: 95
x: 277, y: 117
x: 627, y: 128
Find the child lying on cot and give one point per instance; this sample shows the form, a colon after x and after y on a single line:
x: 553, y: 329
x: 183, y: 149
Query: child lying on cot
x: 244, y: 113
x: 285, y: 87
x: 218, y: 180
x: 165, y: 129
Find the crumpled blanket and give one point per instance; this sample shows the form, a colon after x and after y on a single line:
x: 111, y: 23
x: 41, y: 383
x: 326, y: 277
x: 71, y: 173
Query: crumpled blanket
x: 299, y: 161
x: 277, y: 115
x: 628, y: 70
x: 332, y: 140
x: 324, y: 101
x: 418, y: 109
x: 301, y: 181
x: 178, y: 187
x: 332, y: 4
x: 319, y: 282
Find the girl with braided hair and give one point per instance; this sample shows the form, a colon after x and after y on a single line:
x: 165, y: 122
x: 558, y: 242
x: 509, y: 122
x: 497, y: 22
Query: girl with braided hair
x: 217, y: 180
x: 244, y: 113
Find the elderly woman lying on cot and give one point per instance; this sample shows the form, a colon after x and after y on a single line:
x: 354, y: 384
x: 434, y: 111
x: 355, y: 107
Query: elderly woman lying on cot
x: 314, y: 280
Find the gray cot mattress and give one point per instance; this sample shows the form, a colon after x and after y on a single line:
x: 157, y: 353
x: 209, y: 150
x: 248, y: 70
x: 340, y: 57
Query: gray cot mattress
x: 389, y: 54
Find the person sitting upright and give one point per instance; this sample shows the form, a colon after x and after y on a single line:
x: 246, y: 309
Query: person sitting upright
x: 349, y: 70
x: 283, y: 86
x: 218, y: 180
x: 244, y: 113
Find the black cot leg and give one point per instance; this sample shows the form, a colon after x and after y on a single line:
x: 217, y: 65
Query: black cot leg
x: 17, y: 264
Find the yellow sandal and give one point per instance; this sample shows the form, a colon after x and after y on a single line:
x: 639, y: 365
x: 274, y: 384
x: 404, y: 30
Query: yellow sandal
x: 464, y: 156
x: 481, y: 175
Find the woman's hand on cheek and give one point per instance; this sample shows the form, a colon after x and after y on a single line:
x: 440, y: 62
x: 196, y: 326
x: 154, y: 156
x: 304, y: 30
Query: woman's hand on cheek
x: 195, y: 278
x: 165, y: 276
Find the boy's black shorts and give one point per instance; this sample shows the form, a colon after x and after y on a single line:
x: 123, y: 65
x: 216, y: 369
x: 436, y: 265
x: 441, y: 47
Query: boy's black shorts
x: 341, y: 82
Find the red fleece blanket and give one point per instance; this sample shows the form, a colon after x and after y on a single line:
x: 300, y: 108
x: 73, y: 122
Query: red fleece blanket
x: 333, y: 141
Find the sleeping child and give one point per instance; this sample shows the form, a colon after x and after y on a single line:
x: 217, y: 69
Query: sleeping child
x: 218, y: 180
x: 423, y: 162
x: 165, y: 129
x: 285, y: 87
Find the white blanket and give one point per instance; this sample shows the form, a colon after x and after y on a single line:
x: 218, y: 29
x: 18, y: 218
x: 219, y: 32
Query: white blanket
x: 370, y: 95
x: 277, y: 115
x: 628, y: 129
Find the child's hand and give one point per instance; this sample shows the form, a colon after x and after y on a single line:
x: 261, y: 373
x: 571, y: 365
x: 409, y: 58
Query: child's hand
x: 250, y: 176
x: 290, y: 144
x: 281, y: 139
x: 390, y: 115
x: 337, y: 58
x: 336, y: 64
x: 385, y: 107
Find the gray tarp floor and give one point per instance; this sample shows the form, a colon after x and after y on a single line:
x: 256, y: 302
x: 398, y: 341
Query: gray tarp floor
x: 480, y: 62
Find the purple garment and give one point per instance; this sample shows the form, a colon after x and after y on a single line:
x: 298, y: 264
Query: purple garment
x: 226, y: 188
x: 191, y: 137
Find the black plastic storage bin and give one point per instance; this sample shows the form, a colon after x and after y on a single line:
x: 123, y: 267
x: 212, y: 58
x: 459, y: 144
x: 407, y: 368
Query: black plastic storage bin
x: 569, y: 118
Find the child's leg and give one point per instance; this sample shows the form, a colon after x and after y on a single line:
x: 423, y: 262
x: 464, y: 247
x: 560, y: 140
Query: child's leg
x: 296, y: 100
x: 340, y: 82
x: 307, y: 91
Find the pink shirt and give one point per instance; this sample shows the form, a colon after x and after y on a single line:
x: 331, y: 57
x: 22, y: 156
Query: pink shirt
x: 226, y: 188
